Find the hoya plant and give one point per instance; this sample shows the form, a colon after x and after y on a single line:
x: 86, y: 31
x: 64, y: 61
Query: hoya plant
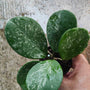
x: 65, y: 41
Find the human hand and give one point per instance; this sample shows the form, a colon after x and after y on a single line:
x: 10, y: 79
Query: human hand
x: 79, y: 78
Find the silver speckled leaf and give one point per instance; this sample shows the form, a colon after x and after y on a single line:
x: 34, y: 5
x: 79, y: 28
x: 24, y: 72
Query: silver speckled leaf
x: 73, y: 42
x: 57, y: 24
x: 46, y: 75
x: 26, y: 37
x: 22, y: 74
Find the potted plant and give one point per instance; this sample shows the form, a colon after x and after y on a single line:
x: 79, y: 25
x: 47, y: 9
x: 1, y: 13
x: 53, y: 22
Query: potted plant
x: 27, y: 38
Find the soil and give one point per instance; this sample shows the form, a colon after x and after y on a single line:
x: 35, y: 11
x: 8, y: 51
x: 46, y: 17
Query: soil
x: 65, y: 64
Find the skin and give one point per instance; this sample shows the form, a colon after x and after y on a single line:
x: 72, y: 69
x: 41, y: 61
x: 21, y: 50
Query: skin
x: 79, y: 78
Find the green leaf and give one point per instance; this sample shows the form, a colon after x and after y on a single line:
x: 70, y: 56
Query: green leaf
x: 46, y: 75
x: 26, y: 37
x: 73, y: 42
x: 21, y: 76
x: 58, y: 23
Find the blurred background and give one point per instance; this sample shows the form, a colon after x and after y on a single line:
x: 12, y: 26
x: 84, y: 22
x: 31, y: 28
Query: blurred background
x: 40, y: 10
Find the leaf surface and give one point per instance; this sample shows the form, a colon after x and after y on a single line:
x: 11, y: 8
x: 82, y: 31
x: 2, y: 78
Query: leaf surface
x: 22, y: 74
x: 57, y: 24
x: 26, y: 37
x: 46, y: 75
x: 73, y: 42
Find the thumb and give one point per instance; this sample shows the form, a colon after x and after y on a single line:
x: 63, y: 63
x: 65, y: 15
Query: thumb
x: 79, y: 61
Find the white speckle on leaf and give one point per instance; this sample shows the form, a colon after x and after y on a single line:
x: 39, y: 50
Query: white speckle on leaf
x: 51, y: 86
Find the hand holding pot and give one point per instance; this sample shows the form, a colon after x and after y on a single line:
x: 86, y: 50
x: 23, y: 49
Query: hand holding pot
x: 79, y: 78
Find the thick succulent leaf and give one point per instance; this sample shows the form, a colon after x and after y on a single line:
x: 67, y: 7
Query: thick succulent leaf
x: 26, y: 37
x: 73, y: 42
x: 46, y: 75
x: 22, y: 74
x: 58, y: 23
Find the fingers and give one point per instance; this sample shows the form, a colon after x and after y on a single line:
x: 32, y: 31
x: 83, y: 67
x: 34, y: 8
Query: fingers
x: 81, y: 68
x: 79, y: 63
